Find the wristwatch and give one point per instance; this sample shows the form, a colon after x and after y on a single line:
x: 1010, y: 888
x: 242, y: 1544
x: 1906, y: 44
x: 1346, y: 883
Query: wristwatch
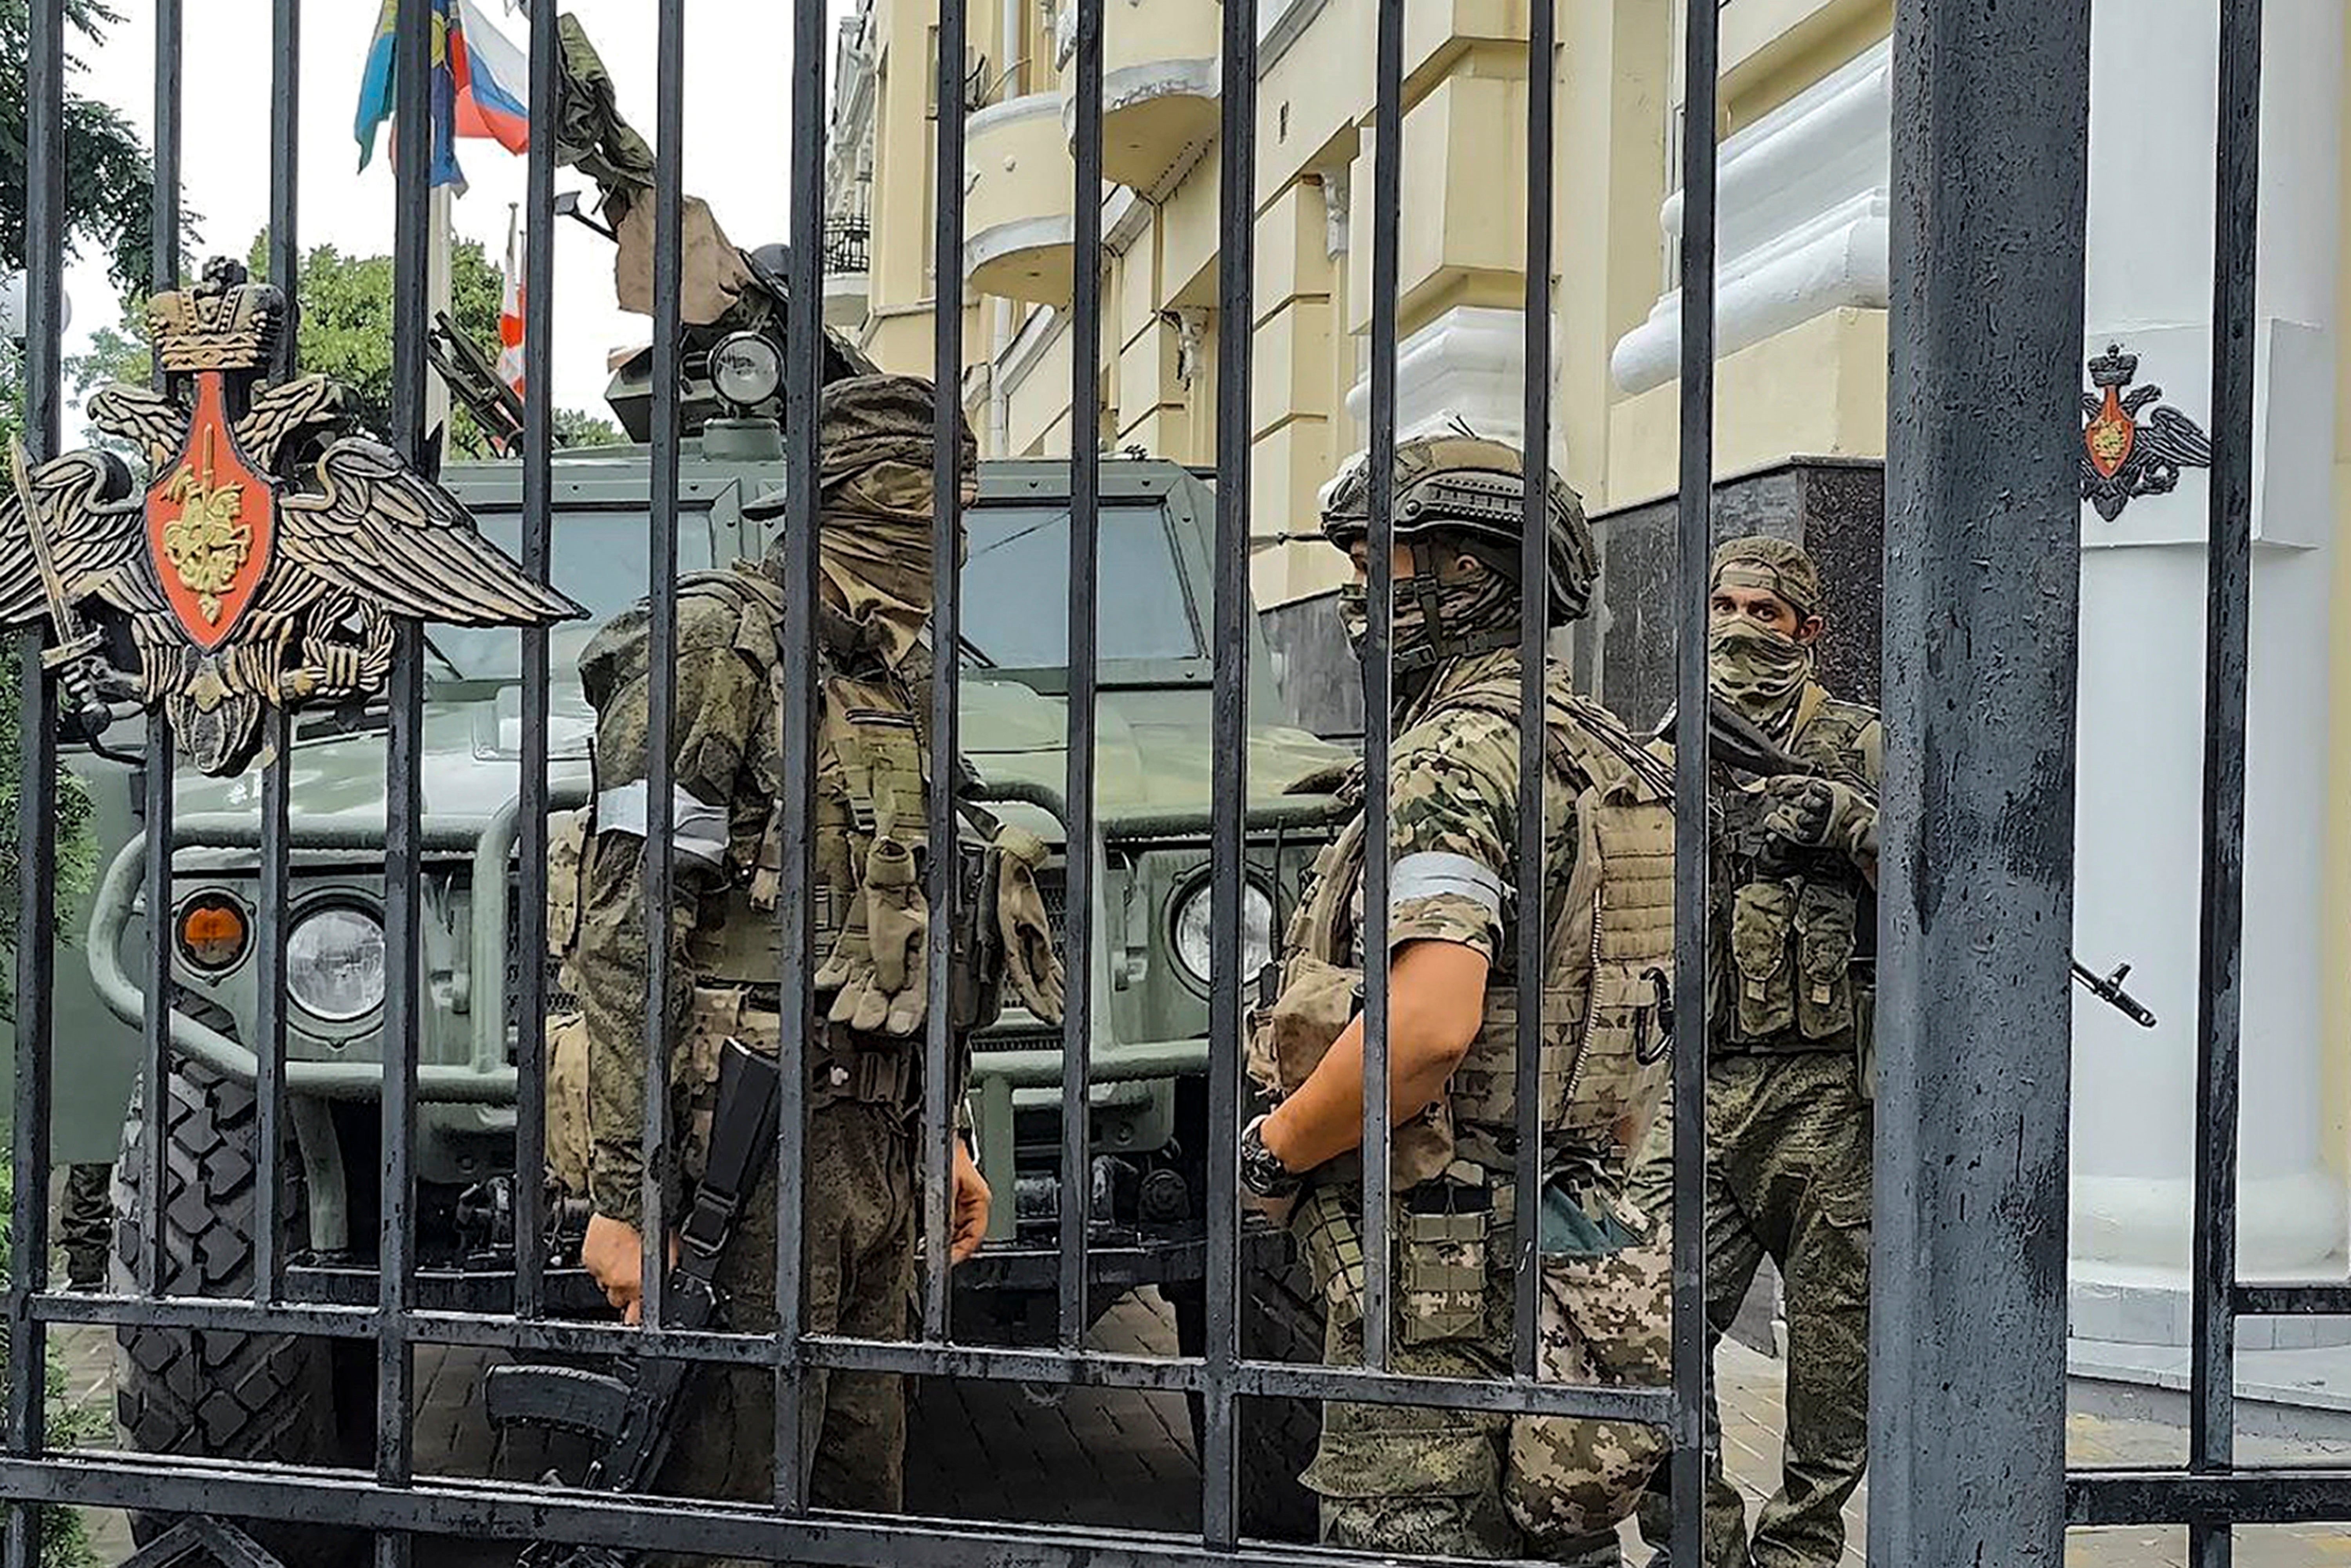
x: 1261, y: 1172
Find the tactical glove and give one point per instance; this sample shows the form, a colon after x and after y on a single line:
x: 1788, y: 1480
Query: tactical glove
x: 897, y: 919
x: 1819, y: 814
x: 877, y: 969
x: 1031, y: 967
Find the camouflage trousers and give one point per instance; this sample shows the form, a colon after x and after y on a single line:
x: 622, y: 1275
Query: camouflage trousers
x: 1788, y: 1178
x: 85, y: 1224
x: 1462, y: 1483
x: 858, y: 1256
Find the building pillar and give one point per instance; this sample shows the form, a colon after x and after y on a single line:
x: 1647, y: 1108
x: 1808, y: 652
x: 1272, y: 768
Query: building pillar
x: 2149, y: 292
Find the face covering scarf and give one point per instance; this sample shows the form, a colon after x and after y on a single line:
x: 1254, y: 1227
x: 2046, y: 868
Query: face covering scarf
x: 1481, y: 602
x: 1759, y: 669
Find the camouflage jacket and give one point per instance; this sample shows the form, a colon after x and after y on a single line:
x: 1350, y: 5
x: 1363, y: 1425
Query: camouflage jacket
x: 1453, y: 791
x: 726, y: 769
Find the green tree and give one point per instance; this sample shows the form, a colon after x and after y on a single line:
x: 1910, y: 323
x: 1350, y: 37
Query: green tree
x: 346, y: 327
x: 109, y: 179
x: 574, y: 427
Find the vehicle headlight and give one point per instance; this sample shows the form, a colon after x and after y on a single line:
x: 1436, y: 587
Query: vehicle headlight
x: 334, y: 963
x: 746, y: 370
x: 1195, y: 943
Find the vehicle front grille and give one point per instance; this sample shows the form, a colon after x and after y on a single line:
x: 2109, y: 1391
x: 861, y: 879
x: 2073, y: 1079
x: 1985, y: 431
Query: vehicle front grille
x: 557, y: 998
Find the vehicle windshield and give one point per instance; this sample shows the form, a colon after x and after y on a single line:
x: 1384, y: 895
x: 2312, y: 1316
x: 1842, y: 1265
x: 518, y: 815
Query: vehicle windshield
x: 1015, y: 588
x: 599, y: 560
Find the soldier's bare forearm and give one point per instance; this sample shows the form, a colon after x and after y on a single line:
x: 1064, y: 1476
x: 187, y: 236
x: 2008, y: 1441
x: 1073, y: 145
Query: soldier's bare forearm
x: 1436, y: 1002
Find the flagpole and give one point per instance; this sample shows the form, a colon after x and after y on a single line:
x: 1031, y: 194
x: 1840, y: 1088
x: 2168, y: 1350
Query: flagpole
x: 438, y: 238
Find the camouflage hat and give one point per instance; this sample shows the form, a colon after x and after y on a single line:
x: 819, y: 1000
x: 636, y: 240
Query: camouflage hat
x: 877, y: 422
x: 1777, y: 566
x: 1471, y: 488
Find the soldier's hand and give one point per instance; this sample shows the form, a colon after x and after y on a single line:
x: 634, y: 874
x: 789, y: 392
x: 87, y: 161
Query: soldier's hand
x: 613, y: 1253
x: 972, y: 1199
x: 614, y: 1256
x: 1818, y: 813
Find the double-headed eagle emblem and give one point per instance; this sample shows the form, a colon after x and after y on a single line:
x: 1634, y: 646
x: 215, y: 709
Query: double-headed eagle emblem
x: 2123, y: 455
x: 268, y: 559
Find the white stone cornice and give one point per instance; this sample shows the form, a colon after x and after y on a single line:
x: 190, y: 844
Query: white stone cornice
x: 1803, y: 207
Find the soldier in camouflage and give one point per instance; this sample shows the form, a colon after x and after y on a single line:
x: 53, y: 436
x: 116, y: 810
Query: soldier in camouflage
x: 730, y: 802
x: 1467, y: 1483
x: 1788, y: 1112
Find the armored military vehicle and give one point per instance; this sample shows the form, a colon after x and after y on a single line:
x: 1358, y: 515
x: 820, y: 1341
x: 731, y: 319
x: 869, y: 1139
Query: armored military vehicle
x: 275, y: 1396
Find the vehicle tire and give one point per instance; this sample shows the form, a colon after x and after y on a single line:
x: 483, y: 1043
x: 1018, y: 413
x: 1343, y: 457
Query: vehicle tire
x: 267, y: 1398
x: 1280, y: 1322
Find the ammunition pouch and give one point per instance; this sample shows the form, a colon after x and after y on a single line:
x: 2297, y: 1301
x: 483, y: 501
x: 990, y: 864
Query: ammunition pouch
x: 1795, y: 970
x: 1444, y: 1236
x: 1446, y: 1232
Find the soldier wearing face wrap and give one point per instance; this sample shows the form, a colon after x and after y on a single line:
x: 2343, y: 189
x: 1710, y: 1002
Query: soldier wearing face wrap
x: 1788, y: 1117
x: 1466, y: 1483
x: 731, y: 805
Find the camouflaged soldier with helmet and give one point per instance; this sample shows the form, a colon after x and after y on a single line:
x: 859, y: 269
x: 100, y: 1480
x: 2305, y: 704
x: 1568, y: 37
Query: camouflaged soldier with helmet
x: 1467, y: 1483
x: 871, y: 823
x: 1788, y: 1113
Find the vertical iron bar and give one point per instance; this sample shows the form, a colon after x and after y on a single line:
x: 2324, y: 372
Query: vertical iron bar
x: 1982, y: 578
x: 35, y: 971
x: 272, y: 874
x: 395, y: 1457
x: 2219, y: 956
x: 1085, y: 524
x: 1693, y: 1366
x: 803, y: 363
x: 1379, y: 713
x: 538, y: 563
x: 156, y: 772
x: 661, y: 570
x: 44, y: 155
x: 1534, y: 619
x: 946, y: 684
x: 285, y: 168
x: 1229, y: 802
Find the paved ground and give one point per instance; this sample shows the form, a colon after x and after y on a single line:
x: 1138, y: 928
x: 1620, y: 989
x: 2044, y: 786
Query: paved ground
x: 1125, y: 1459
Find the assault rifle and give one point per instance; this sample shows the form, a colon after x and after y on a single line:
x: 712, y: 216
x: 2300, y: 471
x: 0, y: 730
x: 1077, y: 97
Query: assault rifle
x: 629, y: 1414
x: 1740, y: 744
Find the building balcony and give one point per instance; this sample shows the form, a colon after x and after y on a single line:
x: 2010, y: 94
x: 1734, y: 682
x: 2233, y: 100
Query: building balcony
x: 1160, y: 76
x: 1019, y: 193
x: 848, y: 243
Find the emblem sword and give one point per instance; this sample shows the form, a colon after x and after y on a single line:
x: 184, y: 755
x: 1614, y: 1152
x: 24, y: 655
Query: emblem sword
x: 77, y: 642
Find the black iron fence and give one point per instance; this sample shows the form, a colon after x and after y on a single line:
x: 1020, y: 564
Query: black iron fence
x: 1990, y: 112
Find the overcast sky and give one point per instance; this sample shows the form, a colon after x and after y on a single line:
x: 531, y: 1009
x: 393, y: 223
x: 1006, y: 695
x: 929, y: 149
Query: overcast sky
x: 738, y: 101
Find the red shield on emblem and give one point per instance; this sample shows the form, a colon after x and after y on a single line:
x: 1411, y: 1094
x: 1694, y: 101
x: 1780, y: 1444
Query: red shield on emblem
x: 210, y: 520
x: 2109, y: 436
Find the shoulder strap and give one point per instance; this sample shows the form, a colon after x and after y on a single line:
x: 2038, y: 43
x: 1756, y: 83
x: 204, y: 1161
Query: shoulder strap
x: 1610, y: 753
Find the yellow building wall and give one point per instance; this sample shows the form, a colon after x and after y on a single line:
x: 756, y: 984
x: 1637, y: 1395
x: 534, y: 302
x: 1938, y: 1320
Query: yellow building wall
x: 1817, y: 390
x: 1609, y: 182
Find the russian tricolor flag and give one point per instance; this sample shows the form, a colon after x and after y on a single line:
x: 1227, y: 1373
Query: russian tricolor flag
x: 480, y: 86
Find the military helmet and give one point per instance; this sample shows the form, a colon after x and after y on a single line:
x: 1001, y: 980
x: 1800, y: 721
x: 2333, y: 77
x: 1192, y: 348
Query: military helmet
x: 1471, y: 490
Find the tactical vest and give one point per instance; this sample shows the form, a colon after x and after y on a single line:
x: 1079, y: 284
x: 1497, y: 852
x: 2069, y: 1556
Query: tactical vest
x: 872, y: 831
x: 1607, y: 974
x: 1793, y: 964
